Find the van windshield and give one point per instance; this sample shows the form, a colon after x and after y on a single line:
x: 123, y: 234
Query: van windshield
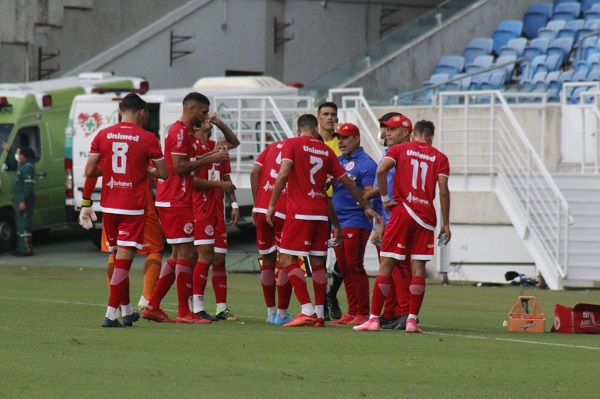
x: 5, y: 129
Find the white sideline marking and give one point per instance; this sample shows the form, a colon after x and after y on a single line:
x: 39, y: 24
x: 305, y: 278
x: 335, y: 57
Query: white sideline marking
x: 524, y: 341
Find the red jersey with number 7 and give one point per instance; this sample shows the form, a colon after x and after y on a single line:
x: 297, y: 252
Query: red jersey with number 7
x: 306, y: 198
x: 418, y: 166
x: 125, y: 150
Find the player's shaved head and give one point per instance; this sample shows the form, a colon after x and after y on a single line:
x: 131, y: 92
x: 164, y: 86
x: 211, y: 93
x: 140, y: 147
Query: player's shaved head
x: 307, y: 122
x: 195, y: 98
x: 132, y: 103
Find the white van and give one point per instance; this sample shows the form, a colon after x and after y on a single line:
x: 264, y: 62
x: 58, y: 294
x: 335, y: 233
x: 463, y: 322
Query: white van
x: 259, y: 110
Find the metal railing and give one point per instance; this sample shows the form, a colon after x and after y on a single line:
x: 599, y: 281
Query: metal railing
x: 259, y: 121
x: 586, y: 109
x: 355, y: 109
x: 487, y: 139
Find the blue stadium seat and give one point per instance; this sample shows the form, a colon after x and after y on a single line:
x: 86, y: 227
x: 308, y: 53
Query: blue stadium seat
x: 587, y: 4
x: 566, y: 11
x: 497, y: 80
x: 532, y: 22
x: 579, y: 76
x: 437, y: 79
x: 508, y: 69
x: 514, y: 47
x: 476, y: 47
x: 557, y: 2
x: 481, y: 62
x: 571, y: 28
x: 477, y: 81
x: 450, y: 64
x: 588, y: 47
x: 537, y: 65
x: 544, y: 8
x: 471, y: 53
x: 592, y: 24
x: 550, y: 31
x: 592, y: 15
x: 562, y: 47
x: 536, y: 47
x: 505, y: 31
x: 593, y: 76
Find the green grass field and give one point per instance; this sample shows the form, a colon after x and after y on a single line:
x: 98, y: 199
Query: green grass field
x: 52, y: 345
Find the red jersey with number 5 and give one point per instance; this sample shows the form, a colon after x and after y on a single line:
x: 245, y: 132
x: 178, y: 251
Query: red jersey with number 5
x: 306, y: 198
x: 125, y: 150
x: 270, y: 162
x: 418, y: 166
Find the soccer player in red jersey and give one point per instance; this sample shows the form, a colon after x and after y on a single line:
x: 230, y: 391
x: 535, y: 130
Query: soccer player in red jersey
x: 208, y: 208
x: 174, y: 204
x: 262, y: 181
x: 395, y: 129
x: 306, y: 162
x: 121, y: 154
x: 419, y: 167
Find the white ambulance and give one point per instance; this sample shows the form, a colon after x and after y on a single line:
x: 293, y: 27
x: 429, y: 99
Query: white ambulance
x: 259, y: 110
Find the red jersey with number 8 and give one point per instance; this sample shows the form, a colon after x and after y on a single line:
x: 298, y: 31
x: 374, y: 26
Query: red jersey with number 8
x: 418, y: 166
x: 306, y: 198
x: 125, y: 150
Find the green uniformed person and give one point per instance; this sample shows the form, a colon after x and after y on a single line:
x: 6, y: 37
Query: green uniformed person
x: 24, y: 198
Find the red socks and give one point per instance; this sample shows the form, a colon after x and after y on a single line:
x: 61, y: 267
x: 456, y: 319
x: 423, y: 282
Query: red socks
x: 119, y: 283
x: 298, y: 280
x: 219, y: 283
x: 381, y: 289
x: 166, y: 280
x: 267, y: 281
x: 319, y: 277
x: 183, y: 276
x: 417, y: 293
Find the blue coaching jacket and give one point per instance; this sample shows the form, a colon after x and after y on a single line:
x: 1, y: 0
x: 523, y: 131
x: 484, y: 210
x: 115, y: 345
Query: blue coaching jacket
x: 361, y: 168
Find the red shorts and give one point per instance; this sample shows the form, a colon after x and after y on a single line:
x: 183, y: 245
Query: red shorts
x: 268, y: 238
x: 220, y: 234
x: 404, y: 236
x: 124, y: 230
x: 304, y: 237
x: 204, y: 230
x: 177, y: 224
x: 153, y: 238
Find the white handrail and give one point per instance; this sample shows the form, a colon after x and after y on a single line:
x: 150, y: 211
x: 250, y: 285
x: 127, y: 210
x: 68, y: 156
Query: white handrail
x: 503, y: 149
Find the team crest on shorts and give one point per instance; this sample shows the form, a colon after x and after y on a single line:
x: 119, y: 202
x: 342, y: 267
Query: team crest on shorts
x: 350, y: 166
x: 209, y: 230
x: 188, y: 228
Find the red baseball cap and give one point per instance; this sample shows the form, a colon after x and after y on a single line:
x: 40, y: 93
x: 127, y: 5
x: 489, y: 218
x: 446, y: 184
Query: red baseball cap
x: 398, y: 121
x: 347, y: 129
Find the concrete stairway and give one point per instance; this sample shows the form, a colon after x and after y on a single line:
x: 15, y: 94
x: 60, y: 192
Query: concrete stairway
x: 582, y: 192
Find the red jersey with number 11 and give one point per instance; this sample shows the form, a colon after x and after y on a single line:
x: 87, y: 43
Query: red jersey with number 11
x: 418, y: 166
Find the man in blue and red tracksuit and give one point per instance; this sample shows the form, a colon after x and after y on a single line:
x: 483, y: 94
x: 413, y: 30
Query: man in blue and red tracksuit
x: 356, y: 228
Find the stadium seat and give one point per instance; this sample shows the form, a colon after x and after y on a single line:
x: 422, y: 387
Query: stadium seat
x: 593, y: 76
x: 481, y: 62
x: 505, y: 31
x: 579, y: 76
x: 450, y: 64
x: 471, y: 53
x: 533, y: 21
x: 476, y: 47
x: 592, y: 15
x: 562, y: 47
x: 566, y: 11
x: 514, y: 47
x: 557, y: 2
x: 508, y: 69
x: 550, y: 31
x: 437, y: 79
x: 592, y: 24
x: 536, y: 47
x: 478, y: 81
x: 571, y: 28
x: 589, y: 47
x: 497, y: 80
x: 587, y: 4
